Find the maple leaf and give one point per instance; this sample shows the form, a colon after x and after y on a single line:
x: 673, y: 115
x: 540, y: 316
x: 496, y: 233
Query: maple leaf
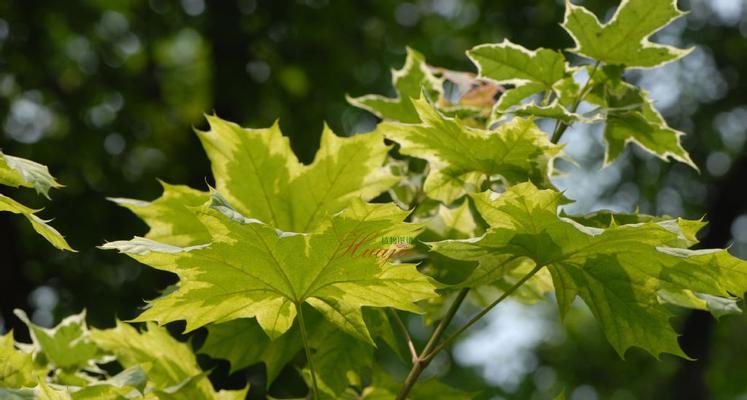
x: 335, y: 365
x: 462, y: 158
x: 67, y: 345
x: 529, y: 71
x: 339, y: 359
x: 171, y: 366
x: 41, y: 226
x: 129, y: 383
x: 19, y: 172
x: 256, y: 170
x: 619, y: 271
x: 228, y: 341
x: 631, y: 117
x: 17, y: 367
x: 553, y: 110
x: 509, y: 63
x: 414, y: 78
x: 169, y: 217
x: 624, y: 40
x: 447, y: 223
x: 252, y: 269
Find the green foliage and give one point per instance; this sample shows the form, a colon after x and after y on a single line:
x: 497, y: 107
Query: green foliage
x: 228, y: 341
x: 169, y: 217
x: 17, y: 368
x: 618, y: 270
x: 287, y: 270
x: 257, y: 172
x: 311, y: 266
x: 67, y: 346
x: 67, y: 362
x: 530, y: 72
x: 623, y: 40
x: 171, y: 366
x: 19, y: 172
x: 631, y: 117
x: 414, y: 78
x: 462, y: 157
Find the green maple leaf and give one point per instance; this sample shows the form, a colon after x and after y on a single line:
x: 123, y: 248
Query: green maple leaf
x: 529, y: 71
x: 40, y: 226
x: 447, y: 223
x: 685, y: 229
x: 339, y: 359
x: 462, y: 158
x: 19, y: 172
x: 513, y: 97
x: 509, y: 63
x: 414, y: 78
x: 67, y: 345
x: 554, y: 110
x: 17, y: 367
x: 127, y: 384
x: 624, y: 40
x: 169, y: 217
x: 256, y: 170
x: 450, y: 223
x: 228, y: 341
x: 619, y: 271
x: 252, y: 269
x: 48, y: 392
x: 631, y: 117
x: 487, y: 281
x: 171, y: 366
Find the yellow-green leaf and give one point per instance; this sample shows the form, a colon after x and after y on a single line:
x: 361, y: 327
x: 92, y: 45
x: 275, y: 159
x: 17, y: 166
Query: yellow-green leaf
x: 462, y: 158
x: 624, y: 39
x: 169, y: 217
x: 257, y: 172
x: 253, y: 270
x: 414, y: 78
x: 65, y: 346
x: 618, y: 271
x: 41, y: 226
x: 170, y: 365
x: 16, y: 171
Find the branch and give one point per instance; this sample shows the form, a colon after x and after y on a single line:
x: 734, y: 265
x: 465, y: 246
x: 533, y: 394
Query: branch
x: 561, y: 127
x: 421, y: 363
x: 305, y: 339
x: 410, y: 343
x: 504, y: 296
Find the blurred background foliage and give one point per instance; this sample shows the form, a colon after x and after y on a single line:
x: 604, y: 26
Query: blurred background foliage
x: 107, y: 93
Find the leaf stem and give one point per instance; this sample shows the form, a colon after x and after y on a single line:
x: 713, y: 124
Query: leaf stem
x: 410, y: 343
x: 546, y: 98
x: 561, y: 127
x: 420, y: 363
x: 429, y: 355
x: 309, y: 359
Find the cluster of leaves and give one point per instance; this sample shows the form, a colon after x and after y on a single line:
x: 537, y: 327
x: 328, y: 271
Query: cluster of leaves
x: 19, y: 172
x: 71, y: 361
x: 282, y: 259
